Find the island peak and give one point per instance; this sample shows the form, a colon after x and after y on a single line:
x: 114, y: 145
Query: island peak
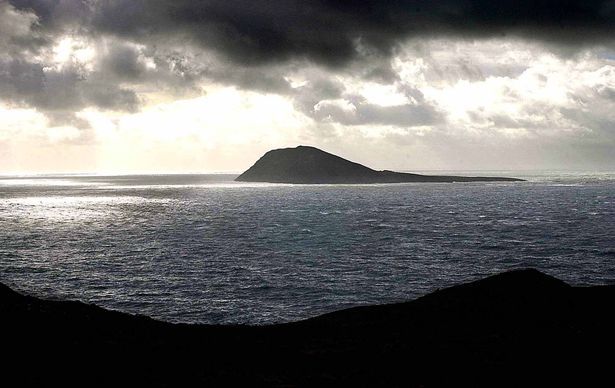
x: 311, y: 165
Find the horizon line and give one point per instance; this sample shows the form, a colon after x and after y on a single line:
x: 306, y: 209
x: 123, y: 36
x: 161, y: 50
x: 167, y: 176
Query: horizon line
x: 136, y: 173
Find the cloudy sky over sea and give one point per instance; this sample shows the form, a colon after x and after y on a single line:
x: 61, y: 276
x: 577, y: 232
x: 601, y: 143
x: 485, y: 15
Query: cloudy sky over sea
x: 208, y: 86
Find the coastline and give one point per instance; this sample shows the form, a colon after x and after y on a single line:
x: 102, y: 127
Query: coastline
x: 504, y: 330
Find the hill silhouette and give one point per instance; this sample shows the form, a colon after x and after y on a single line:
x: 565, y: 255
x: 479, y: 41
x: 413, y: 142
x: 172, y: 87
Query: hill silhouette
x: 520, y: 328
x: 310, y: 165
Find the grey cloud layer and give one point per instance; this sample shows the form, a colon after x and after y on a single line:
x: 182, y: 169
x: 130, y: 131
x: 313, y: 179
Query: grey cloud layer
x: 256, y: 43
x: 327, y: 31
x: 254, y: 35
x: 59, y: 90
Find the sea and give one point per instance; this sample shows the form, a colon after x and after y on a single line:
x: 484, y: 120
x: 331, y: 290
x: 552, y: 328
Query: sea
x: 206, y: 249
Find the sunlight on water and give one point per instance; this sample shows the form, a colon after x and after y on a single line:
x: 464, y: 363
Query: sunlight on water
x: 227, y: 185
x: 42, y: 182
x: 69, y: 208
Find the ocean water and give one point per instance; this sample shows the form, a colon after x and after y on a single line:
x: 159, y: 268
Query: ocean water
x: 202, y: 248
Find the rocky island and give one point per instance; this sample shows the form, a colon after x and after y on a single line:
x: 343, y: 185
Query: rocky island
x: 516, y: 329
x: 310, y: 165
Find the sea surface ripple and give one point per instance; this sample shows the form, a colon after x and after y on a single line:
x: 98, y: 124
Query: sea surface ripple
x: 202, y: 248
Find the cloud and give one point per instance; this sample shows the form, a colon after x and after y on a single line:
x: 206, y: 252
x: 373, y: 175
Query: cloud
x: 329, y: 32
x: 358, y: 111
x: 15, y: 25
x: 176, y: 44
x: 63, y: 90
x: 483, y: 76
x: 124, y: 62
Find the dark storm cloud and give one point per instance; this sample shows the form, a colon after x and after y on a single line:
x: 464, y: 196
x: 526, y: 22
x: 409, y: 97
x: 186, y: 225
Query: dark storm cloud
x: 257, y: 42
x: 317, y: 89
x: 29, y: 79
x: 329, y: 31
x: 123, y: 62
x: 53, y: 91
x: 254, y: 78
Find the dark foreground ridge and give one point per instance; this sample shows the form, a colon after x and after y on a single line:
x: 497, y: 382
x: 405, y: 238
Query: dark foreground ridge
x: 310, y: 165
x: 520, y: 328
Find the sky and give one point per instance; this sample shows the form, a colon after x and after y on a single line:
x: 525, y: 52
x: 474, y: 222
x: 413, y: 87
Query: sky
x: 177, y: 86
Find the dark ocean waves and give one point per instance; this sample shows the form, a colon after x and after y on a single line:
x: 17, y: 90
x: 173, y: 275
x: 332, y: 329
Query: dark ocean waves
x: 201, y: 248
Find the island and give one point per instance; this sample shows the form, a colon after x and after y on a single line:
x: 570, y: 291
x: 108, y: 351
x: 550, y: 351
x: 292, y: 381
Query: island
x: 515, y: 329
x: 310, y: 165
